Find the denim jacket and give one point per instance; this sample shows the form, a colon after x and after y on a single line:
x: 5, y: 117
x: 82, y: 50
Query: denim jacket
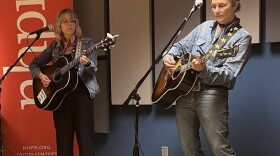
x: 217, y: 71
x: 54, y: 52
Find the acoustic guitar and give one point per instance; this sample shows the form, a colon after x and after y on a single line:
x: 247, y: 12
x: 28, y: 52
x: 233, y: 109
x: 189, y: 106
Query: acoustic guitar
x: 62, y: 80
x: 169, y: 88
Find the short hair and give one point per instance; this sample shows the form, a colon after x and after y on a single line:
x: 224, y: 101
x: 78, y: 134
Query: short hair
x: 57, y: 28
x: 239, y: 5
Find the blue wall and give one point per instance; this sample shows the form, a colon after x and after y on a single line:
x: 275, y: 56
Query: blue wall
x: 254, y: 116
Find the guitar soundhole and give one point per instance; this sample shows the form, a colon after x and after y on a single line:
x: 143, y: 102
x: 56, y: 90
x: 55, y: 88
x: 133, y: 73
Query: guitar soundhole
x: 57, y: 75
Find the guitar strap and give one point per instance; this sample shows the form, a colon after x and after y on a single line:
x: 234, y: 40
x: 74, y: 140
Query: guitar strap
x: 223, y: 40
x: 217, y: 46
x: 78, y: 49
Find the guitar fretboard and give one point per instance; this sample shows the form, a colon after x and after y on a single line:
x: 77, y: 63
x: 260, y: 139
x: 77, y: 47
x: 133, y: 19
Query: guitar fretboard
x: 223, y: 53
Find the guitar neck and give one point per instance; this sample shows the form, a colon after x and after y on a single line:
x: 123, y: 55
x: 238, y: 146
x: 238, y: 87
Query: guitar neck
x: 207, y: 56
x: 68, y: 66
x: 76, y: 61
x: 103, y: 44
x: 188, y: 65
x: 223, y: 53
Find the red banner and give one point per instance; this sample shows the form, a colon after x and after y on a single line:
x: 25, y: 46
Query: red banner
x: 26, y: 130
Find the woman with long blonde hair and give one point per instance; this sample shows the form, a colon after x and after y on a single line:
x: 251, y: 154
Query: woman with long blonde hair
x: 74, y: 113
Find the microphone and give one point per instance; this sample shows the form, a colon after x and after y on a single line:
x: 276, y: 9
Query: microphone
x: 197, y: 5
x: 49, y: 27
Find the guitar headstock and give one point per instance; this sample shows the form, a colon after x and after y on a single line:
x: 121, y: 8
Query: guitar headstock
x: 107, y: 42
x: 225, y: 53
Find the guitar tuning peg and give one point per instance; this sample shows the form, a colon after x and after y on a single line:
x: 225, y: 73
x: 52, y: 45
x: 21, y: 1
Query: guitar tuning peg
x: 109, y: 35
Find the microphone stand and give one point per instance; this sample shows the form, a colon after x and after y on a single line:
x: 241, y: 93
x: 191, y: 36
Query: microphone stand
x: 134, y: 95
x: 21, y: 56
x: 2, y: 79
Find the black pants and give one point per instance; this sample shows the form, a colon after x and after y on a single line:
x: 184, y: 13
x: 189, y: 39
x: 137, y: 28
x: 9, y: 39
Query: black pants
x: 75, y: 116
x: 207, y: 109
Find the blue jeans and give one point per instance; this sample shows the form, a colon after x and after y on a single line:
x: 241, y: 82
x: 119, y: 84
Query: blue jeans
x: 208, y: 109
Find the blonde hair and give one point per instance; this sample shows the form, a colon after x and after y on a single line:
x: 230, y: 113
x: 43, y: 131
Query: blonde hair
x: 57, y: 28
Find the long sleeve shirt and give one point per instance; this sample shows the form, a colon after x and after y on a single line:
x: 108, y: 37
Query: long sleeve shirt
x: 217, y: 71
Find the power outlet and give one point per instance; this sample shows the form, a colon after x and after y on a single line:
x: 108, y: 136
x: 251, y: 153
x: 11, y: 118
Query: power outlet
x: 164, y: 151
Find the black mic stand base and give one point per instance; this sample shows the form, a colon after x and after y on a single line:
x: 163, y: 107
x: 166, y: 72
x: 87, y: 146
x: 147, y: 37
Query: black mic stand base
x: 136, y: 144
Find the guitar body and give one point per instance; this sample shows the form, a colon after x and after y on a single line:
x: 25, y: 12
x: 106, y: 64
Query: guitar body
x: 50, y: 98
x: 169, y: 88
